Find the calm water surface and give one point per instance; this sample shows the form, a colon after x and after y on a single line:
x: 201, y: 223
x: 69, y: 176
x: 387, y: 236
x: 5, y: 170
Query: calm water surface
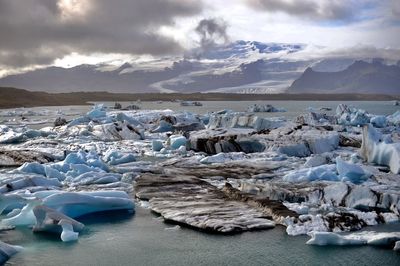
x: 142, y: 239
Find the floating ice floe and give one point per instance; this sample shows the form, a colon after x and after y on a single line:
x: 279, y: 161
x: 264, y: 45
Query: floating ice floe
x: 363, y: 238
x: 264, y: 108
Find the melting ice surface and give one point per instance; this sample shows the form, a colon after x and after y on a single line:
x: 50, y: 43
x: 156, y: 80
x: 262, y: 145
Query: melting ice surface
x: 312, y: 163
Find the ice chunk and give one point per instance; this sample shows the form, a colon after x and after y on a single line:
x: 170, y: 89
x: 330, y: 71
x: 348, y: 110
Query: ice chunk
x: 351, y: 172
x: 361, y: 197
x: 316, y: 160
x: 163, y: 126
x: 375, y: 150
x: 117, y: 131
x: 298, y: 150
x: 75, y: 204
x: 49, y: 220
x: 34, y: 168
x: 329, y: 238
x: 389, y: 217
x: 323, y: 172
x: 98, y: 111
x: 68, y: 233
x: 25, y: 217
x: 9, y: 202
x: 264, y: 108
x: 157, y: 145
x: 362, y: 238
x: 335, y: 193
x: 351, y: 116
x: 310, y: 223
x: 243, y: 120
x: 397, y: 246
x: 394, y: 119
x: 26, y: 180
x: 7, y: 251
x: 115, y: 157
x: 379, y: 121
x: 178, y: 141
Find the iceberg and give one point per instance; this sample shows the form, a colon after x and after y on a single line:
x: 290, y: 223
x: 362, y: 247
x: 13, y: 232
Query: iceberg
x: 74, y: 204
x: 375, y: 149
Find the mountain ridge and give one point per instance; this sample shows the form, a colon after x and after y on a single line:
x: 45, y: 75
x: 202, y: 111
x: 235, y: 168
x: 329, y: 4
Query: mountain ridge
x: 359, y: 77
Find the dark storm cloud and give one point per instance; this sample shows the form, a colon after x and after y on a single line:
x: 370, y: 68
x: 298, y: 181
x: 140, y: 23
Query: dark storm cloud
x: 211, y: 31
x: 39, y: 31
x: 328, y: 10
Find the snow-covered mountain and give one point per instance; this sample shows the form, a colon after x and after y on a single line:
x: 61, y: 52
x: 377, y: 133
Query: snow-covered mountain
x: 237, y: 67
x: 241, y: 66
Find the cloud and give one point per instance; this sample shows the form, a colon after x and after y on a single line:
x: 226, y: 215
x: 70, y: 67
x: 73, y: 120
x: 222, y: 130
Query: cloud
x: 320, y: 10
x: 354, y: 52
x: 211, y: 31
x: 40, y: 31
x: 395, y: 7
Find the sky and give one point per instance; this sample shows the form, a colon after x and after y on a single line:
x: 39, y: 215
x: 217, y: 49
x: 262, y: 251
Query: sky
x: 38, y: 33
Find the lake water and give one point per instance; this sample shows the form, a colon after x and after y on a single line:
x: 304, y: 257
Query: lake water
x: 143, y: 239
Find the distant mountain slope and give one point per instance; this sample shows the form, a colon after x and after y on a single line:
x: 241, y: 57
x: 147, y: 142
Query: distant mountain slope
x: 360, y: 77
x: 235, y: 64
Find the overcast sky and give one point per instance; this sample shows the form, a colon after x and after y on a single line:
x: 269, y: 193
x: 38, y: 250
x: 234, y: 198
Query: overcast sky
x: 67, y: 32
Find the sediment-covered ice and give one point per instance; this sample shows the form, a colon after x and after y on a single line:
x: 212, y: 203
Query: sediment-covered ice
x: 244, y: 120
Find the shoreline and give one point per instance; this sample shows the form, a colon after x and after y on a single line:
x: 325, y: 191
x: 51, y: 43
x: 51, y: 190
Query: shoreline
x: 14, y: 98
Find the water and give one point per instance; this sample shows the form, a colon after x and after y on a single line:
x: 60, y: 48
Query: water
x: 141, y: 239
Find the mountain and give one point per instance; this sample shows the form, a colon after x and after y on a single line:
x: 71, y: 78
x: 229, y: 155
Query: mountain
x: 236, y: 66
x: 360, y: 77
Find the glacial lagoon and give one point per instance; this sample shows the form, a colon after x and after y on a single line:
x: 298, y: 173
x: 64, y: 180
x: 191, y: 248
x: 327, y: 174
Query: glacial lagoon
x: 121, y: 238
